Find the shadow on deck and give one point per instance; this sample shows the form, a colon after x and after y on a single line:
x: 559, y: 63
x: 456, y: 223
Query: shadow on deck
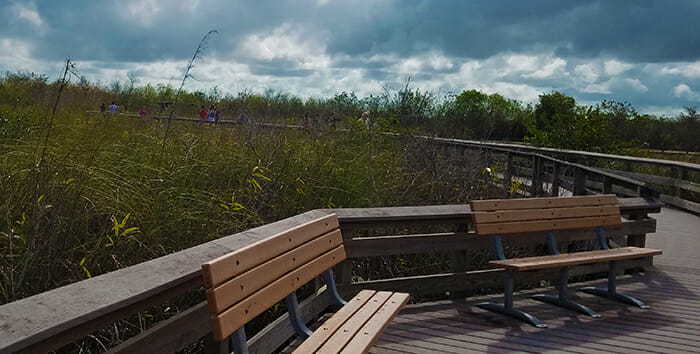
x: 671, y: 325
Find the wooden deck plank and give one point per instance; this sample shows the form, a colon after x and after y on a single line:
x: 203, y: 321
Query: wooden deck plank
x: 329, y: 327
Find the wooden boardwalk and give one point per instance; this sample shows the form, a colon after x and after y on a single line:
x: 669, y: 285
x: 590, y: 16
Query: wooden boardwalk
x: 671, y: 287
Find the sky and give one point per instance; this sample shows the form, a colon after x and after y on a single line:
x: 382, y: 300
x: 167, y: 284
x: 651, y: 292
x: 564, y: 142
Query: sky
x: 646, y: 52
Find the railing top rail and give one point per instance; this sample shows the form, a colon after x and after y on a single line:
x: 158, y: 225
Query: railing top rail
x: 668, y: 163
x: 68, y: 313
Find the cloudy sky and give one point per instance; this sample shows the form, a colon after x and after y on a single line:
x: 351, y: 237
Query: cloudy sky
x: 643, y: 52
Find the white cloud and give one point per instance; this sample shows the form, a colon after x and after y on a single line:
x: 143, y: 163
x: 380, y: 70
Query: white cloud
x: 689, y: 70
x: 287, y: 42
x: 533, y: 66
x: 551, y: 69
x: 614, y: 67
x: 684, y: 91
x: 29, y: 14
x: 616, y: 85
x: 587, y: 72
x: 636, y: 85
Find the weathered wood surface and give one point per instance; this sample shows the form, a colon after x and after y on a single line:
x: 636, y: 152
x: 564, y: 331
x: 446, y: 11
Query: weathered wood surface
x: 456, y: 213
x: 448, y: 242
x: 65, y: 314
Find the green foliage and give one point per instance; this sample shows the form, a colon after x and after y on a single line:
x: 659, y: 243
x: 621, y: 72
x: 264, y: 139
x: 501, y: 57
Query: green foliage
x: 560, y: 123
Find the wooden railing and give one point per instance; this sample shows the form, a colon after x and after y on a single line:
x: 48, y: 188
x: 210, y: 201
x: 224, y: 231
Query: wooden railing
x: 674, y: 182
x: 55, y: 318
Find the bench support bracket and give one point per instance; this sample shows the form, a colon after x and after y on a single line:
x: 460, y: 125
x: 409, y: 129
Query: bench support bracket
x: 610, y: 291
x: 297, y: 322
x: 239, y: 341
x: 331, y: 289
x: 562, y: 300
x: 506, y: 307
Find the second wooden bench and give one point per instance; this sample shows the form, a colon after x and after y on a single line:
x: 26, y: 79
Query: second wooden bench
x: 536, y: 215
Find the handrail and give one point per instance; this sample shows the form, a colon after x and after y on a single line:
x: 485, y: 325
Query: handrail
x: 49, y: 320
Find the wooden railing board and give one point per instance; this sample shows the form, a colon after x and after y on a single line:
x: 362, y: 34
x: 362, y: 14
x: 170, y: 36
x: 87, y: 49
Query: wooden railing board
x: 447, y: 242
x: 432, y: 284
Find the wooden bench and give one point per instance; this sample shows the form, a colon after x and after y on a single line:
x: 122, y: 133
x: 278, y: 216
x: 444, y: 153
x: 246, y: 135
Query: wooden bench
x: 536, y: 215
x: 243, y: 284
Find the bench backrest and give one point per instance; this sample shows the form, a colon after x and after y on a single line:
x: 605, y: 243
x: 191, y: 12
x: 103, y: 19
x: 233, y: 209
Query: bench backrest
x: 509, y: 216
x: 244, y: 283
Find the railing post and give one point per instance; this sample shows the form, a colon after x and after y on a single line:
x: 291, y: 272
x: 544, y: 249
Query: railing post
x: 459, y: 262
x: 674, y: 191
x: 556, y: 179
x: 607, y: 185
x: 579, y: 181
x: 536, y: 175
x: 637, y: 240
x: 344, y: 269
x: 509, y: 170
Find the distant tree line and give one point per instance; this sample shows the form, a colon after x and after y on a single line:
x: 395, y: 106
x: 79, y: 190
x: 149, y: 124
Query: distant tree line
x: 555, y: 120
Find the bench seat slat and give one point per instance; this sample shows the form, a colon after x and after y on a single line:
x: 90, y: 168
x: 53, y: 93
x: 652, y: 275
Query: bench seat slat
x: 239, y: 314
x: 223, y: 268
x: 321, y: 335
x: 545, y: 214
x: 545, y: 225
x: 542, y: 203
x: 349, y: 329
x: 571, y: 259
x: 371, y: 331
x: 230, y: 292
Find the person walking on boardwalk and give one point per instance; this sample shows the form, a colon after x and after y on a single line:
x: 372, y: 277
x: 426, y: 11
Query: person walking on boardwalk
x: 113, y: 108
x: 202, y: 117
x: 212, y: 115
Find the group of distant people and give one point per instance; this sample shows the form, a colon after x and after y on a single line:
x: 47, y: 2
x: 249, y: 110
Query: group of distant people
x: 113, y: 108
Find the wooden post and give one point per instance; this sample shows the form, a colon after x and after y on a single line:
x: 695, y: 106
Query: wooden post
x: 674, y: 191
x: 556, y: 179
x: 579, y: 181
x: 536, y: 176
x: 343, y: 270
x: 607, y: 185
x: 459, y: 262
x: 509, y: 170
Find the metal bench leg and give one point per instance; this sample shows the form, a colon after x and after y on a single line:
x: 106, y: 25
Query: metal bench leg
x: 297, y: 322
x: 506, y: 307
x: 331, y: 289
x: 562, y: 300
x: 239, y: 341
x: 611, y: 291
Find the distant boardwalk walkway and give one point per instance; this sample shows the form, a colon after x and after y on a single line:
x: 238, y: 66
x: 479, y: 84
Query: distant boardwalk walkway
x: 672, y: 288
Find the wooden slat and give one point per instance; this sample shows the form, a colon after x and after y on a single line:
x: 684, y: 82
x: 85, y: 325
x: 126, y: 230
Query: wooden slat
x: 570, y: 259
x: 542, y: 203
x: 371, y: 331
x: 343, y: 335
x: 544, y: 214
x: 545, y: 225
x: 328, y: 328
x: 223, y: 268
x: 230, y: 292
x: 238, y: 315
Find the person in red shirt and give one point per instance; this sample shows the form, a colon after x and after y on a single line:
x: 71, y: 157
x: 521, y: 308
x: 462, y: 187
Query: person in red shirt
x: 202, y: 116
